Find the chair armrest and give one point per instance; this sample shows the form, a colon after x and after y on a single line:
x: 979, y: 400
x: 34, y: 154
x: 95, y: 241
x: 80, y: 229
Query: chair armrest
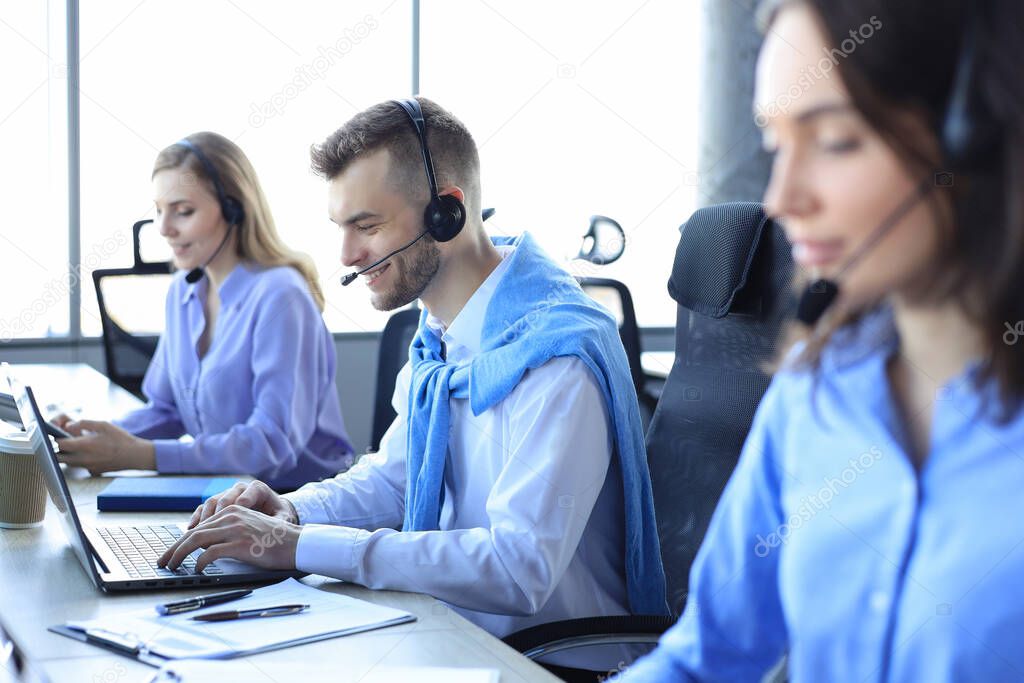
x: 546, y: 639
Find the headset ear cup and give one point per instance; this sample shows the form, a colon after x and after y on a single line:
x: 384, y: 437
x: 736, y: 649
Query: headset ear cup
x: 234, y: 214
x: 445, y: 218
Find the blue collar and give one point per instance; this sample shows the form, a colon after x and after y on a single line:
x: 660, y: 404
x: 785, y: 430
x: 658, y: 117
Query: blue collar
x: 235, y: 286
x: 875, y: 332
x: 466, y: 329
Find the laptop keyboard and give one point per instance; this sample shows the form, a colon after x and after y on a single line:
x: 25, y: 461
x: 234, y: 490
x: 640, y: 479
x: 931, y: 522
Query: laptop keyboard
x: 139, y: 547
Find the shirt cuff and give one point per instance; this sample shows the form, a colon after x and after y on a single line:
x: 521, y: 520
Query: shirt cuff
x: 308, y: 506
x: 329, y: 550
x: 305, y: 506
x: 168, y: 456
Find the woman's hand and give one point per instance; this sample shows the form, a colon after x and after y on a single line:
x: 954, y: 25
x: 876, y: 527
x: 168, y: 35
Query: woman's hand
x: 67, y: 423
x: 101, y: 447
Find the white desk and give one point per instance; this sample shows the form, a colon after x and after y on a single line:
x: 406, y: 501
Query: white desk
x: 74, y: 387
x: 42, y: 583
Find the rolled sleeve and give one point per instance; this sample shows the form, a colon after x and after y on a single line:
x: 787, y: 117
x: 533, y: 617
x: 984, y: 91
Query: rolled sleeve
x: 168, y: 456
x: 290, y: 371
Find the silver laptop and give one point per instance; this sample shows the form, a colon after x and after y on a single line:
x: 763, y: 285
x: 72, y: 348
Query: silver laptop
x: 123, y: 557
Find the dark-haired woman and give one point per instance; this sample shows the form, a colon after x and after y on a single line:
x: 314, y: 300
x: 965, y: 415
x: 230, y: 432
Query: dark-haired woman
x: 872, y: 529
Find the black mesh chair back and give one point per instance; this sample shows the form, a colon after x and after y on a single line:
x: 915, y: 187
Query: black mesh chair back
x: 395, y: 341
x: 731, y: 279
x: 131, y: 312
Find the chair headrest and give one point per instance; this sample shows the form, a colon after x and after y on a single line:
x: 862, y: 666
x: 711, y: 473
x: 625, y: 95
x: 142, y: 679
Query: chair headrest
x: 714, y: 256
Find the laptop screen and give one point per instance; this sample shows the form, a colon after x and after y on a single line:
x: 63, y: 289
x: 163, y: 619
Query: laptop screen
x: 32, y: 420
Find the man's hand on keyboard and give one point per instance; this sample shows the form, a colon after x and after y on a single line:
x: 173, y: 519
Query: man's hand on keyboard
x: 239, y: 533
x: 254, y: 495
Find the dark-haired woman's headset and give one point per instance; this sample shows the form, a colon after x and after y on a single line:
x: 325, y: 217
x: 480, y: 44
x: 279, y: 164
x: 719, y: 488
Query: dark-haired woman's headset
x: 230, y: 207
x: 444, y: 216
x: 968, y: 136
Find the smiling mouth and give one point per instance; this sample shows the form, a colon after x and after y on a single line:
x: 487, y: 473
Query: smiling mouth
x: 817, y: 254
x: 374, y: 274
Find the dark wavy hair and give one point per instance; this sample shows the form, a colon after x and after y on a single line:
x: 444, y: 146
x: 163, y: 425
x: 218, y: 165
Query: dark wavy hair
x: 900, y: 81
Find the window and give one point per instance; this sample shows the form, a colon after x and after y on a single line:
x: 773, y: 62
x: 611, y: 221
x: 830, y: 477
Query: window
x: 33, y: 172
x: 271, y: 77
x: 578, y: 108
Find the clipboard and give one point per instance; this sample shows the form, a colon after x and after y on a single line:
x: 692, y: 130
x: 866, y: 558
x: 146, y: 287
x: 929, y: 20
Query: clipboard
x: 112, y: 642
x: 154, y: 640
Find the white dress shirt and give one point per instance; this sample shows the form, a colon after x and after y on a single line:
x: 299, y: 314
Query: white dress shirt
x: 531, y: 525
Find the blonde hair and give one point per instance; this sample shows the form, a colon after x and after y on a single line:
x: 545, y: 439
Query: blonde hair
x: 257, y: 239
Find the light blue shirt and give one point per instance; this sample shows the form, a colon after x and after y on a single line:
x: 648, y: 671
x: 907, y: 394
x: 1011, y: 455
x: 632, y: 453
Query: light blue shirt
x: 262, y: 401
x: 829, y: 543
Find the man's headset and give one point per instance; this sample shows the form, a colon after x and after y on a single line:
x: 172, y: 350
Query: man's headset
x: 968, y: 135
x: 230, y: 207
x: 444, y: 216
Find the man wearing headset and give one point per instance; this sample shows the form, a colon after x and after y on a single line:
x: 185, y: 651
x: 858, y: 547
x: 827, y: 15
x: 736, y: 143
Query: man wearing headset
x: 515, y: 467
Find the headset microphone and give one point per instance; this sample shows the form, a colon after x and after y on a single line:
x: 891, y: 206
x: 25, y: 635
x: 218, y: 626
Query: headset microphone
x: 350, y: 278
x: 196, y: 274
x: 969, y: 137
x: 230, y: 207
x: 820, y: 294
x: 444, y: 216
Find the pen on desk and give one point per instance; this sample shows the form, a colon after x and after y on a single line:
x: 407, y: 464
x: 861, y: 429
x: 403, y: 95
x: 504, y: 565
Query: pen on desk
x: 279, y: 611
x: 201, y: 601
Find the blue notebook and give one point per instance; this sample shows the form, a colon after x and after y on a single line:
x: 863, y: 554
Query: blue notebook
x: 160, y: 494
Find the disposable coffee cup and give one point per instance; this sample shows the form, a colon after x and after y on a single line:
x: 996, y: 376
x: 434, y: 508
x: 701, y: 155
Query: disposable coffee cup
x: 22, y: 490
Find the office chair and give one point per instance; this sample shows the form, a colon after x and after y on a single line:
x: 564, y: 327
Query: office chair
x: 395, y: 341
x: 614, y: 295
x: 603, y: 243
x: 128, y: 348
x: 731, y: 281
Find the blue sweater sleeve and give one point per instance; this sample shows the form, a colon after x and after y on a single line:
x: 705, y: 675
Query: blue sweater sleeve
x: 292, y: 366
x: 732, y: 628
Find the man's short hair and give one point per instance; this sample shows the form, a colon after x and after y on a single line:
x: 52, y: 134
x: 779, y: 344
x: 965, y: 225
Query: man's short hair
x: 387, y: 126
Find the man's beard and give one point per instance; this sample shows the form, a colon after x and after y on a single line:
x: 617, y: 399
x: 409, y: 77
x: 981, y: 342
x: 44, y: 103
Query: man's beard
x: 414, y: 269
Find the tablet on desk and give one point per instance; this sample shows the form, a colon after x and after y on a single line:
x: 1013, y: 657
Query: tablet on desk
x: 161, y: 494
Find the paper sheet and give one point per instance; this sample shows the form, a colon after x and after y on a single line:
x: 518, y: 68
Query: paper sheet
x: 178, y: 636
x: 202, y: 671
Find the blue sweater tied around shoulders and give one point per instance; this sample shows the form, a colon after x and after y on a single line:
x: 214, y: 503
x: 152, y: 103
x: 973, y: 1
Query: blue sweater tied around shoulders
x: 538, y: 312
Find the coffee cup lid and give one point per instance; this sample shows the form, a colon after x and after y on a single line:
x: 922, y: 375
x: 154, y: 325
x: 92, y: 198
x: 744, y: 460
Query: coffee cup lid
x: 13, y: 440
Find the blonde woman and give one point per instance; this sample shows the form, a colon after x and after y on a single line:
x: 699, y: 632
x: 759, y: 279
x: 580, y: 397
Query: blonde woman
x: 245, y: 365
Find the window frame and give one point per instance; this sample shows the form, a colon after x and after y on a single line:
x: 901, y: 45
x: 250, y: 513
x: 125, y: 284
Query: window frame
x: 74, y: 336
